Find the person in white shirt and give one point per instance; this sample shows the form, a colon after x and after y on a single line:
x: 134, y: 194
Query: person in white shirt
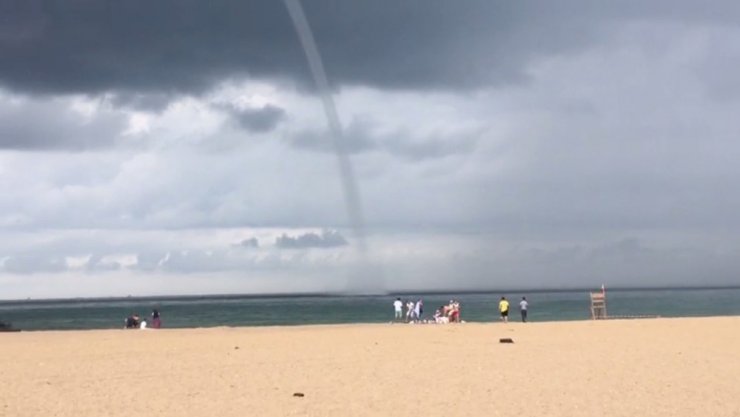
x: 409, y: 311
x: 523, y: 307
x: 419, y: 309
x: 398, y: 307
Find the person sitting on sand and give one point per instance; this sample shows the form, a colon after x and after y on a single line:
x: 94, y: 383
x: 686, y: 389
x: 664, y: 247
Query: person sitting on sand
x: 439, y: 316
x: 132, y: 321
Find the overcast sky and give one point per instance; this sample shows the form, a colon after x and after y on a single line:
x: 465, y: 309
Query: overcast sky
x: 180, y: 146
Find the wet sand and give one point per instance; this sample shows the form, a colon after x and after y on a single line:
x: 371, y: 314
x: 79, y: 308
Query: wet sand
x: 655, y: 367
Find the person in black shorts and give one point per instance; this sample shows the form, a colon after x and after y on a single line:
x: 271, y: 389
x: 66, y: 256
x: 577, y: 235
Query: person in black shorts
x: 503, y: 308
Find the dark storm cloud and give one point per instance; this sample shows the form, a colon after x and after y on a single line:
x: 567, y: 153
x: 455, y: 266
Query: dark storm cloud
x: 179, y: 46
x: 21, y: 21
x: 327, y: 239
x: 257, y: 120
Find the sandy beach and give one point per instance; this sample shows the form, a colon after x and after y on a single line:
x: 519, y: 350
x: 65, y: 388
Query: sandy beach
x: 656, y: 367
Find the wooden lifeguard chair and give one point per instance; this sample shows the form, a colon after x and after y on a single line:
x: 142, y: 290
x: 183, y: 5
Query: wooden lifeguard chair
x: 598, y: 304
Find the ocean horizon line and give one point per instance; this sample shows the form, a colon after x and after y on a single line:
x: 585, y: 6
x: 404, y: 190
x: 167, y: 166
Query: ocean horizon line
x: 329, y: 294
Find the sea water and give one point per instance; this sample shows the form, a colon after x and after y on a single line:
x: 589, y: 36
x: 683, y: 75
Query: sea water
x: 210, y: 311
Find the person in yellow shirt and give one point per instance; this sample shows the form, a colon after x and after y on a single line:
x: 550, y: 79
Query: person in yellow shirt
x: 503, y: 308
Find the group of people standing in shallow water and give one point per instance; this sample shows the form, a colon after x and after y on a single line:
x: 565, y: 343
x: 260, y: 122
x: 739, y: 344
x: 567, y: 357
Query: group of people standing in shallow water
x: 449, y: 313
